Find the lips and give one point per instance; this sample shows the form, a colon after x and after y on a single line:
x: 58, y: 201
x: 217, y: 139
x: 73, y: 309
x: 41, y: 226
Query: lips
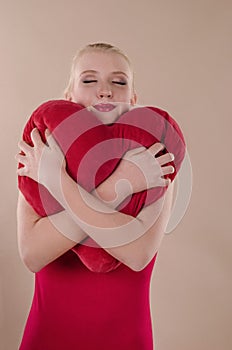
x: 104, y: 107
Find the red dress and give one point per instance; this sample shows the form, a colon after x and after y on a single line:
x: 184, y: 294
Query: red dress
x: 75, y: 307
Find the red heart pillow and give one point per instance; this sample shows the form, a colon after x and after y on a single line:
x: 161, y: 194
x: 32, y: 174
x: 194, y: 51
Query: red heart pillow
x: 93, y: 150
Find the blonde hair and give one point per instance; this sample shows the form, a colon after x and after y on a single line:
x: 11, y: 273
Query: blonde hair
x: 92, y: 47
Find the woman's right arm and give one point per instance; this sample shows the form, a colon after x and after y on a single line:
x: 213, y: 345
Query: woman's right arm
x: 39, y: 241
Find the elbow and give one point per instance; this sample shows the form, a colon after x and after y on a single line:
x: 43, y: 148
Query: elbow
x: 141, y: 263
x: 138, y: 267
x: 31, y: 267
x: 29, y: 255
x: 29, y: 261
x: 135, y: 265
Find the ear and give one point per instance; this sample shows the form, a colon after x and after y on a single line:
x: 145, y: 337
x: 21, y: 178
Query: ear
x: 69, y: 97
x: 133, y: 99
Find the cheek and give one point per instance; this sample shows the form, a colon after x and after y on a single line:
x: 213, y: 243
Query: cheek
x: 124, y: 96
x: 82, y: 95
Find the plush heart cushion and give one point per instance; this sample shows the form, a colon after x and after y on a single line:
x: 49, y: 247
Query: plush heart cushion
x: 93, y: 151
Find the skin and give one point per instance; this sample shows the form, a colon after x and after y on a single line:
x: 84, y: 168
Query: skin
x: 36, y: 247
x: 107, y: 71
x: 104, y: 78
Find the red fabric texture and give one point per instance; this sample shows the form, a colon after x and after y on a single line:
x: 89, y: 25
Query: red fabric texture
x: 74, y: 307
x: 93, y: 151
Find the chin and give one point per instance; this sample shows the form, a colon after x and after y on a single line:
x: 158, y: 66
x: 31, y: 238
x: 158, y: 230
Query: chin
x: 107, y: 117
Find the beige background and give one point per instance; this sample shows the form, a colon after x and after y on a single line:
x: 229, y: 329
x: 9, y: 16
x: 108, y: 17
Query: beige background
x: 182, y: 52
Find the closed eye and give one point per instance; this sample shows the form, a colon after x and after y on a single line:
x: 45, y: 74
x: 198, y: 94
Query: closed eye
x: 119, y: 82
x: 89, y: 81
x: 94, y: 81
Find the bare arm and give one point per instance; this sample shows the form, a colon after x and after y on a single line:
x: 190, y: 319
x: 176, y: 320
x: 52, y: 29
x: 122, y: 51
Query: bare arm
x: 43, y: 239
x: 38, y: 254
x: 140, y: 252
x: 134, y: 241
x: 39, y: 240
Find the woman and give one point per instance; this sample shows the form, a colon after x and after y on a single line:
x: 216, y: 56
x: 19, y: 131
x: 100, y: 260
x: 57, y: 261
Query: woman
x: 74, y: 307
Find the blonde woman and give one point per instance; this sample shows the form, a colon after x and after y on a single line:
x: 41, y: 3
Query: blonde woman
x: 75, y: 307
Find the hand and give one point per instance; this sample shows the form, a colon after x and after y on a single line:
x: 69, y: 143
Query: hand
x: 43, y: 162
x: 143, y: 170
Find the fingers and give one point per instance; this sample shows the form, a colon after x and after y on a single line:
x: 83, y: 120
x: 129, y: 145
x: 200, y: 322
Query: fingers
x: 156, y: 148
x: 24, y: 146
x: 36, y: 138
x: 165, y: 158
x: 166, y: 170
x: 162, y: 160
x: 51, y: 141
x: 22, y: 171
x: 165, y: 182
x: 133, y: 152
x: 20, y: 158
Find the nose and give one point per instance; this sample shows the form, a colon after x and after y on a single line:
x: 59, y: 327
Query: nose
x: 104, y: 92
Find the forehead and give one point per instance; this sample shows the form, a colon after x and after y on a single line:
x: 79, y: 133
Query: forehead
x: 101, y: 61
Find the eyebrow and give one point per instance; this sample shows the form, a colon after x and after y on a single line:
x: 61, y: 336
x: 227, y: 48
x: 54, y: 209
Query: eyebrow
x: 94, y: 71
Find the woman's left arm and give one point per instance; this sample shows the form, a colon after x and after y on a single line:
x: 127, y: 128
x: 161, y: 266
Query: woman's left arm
x: 133, y: 241
x: 139, y: 252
